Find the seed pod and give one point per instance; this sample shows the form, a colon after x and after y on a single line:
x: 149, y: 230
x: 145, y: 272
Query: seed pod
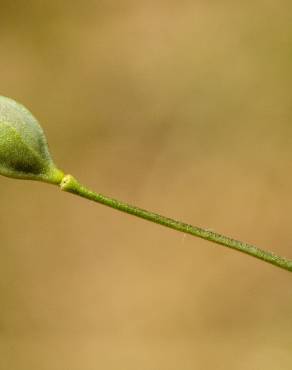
x: 24, y: 152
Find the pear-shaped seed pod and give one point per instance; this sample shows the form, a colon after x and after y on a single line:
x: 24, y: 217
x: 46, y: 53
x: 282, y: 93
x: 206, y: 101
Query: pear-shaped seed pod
x: 23, y: 147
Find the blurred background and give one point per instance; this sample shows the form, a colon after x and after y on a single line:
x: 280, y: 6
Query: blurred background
x: 180, y: 107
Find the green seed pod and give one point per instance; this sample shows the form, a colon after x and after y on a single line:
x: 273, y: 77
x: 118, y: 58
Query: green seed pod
x: 24, y: 151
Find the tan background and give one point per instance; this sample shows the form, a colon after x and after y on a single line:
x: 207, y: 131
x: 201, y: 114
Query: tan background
x: 182, y: 107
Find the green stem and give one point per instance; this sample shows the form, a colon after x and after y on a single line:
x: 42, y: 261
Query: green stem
x: 71, y: 185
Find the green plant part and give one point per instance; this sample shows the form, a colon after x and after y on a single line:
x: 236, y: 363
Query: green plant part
x: 24, y: 151
x: 24, y: 154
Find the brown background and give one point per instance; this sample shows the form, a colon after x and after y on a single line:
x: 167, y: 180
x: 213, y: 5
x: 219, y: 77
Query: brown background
x: 182, y: 107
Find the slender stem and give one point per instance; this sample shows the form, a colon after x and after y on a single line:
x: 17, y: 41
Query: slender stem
x: 71, y: 185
